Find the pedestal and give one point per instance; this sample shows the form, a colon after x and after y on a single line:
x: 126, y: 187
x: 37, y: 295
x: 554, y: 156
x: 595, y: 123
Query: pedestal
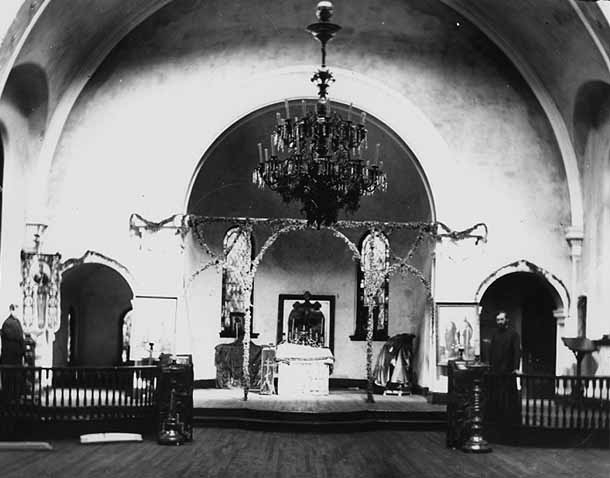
x: 464, y: 410
x: 175, y: 401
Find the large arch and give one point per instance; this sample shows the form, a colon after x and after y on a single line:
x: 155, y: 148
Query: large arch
x: 411, y: 125
x: 558, y: 289
x: 94, y: 257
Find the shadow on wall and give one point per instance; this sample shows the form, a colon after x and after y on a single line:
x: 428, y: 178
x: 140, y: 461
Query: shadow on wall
x: 27, y: 90
x: 591, y: 111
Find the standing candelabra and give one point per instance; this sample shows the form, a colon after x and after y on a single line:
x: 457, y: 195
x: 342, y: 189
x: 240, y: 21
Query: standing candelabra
x: 476, y: 443
x: 171, y: 428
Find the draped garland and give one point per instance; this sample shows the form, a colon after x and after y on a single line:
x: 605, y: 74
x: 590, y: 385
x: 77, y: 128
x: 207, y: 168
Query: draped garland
x: 373, y: 278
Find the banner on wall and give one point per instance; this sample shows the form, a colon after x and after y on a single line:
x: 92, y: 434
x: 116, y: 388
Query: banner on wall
x: 153, y: 327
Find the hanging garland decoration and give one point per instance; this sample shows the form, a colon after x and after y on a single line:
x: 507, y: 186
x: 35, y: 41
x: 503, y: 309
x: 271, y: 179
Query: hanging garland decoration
x: 464, y: 234
x: 137, y: 224
x: 373, y: 279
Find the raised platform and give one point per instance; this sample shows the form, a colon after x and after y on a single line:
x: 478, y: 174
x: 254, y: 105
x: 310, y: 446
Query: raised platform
x: 338, y: 411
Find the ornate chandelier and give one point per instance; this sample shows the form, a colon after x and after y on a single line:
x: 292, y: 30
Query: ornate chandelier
x: 317, y: 159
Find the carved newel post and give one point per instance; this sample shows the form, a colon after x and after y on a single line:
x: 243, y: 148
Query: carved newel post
x: 476, y: 443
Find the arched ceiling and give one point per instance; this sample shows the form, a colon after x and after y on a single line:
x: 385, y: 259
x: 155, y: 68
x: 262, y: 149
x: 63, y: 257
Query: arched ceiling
x: 562, y: 44
x: 223, y: 186
x: 559, y: 39
x: 558, y: 45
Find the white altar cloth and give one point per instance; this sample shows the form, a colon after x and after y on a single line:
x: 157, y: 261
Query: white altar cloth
x: 303, y: 370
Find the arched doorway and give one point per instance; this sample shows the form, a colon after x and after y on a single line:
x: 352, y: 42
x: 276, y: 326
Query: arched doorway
x: 530, y: 303
x: 94, y: 301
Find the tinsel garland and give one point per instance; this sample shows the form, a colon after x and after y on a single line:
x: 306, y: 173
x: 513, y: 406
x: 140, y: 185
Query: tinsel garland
x: 152, y: 226
x: 373, y: 279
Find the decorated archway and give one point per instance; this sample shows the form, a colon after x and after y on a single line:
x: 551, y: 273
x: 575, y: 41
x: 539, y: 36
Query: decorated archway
x: 374, y: 277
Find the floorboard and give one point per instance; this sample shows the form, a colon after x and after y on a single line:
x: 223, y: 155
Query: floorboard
x: 246, y: 453
x: 336, y: 401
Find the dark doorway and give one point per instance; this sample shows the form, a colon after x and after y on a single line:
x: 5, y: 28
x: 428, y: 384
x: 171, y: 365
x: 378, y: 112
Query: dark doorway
x: 94, y: 301
x: 529, y: 301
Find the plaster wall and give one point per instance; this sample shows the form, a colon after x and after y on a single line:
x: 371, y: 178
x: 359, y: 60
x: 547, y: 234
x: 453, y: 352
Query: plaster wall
x: 16, y: 143
x: 596, y: 245
x: 137, y: 132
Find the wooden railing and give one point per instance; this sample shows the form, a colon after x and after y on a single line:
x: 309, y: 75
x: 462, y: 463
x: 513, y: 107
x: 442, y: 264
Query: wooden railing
x: 34, y: 395
x: 559, y: 402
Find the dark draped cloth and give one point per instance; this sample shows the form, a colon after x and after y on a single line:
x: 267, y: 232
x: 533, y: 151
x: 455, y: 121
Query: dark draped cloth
x: 13, y: 350
x: 13, y: 343
x: 504, y: 406
x: 393, y: 364
x: 229, y: 364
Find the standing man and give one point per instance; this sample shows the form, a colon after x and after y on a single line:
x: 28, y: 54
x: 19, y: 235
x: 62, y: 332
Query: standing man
x: 12, y: 353
x: 504, y: 408
x: 13, y: 342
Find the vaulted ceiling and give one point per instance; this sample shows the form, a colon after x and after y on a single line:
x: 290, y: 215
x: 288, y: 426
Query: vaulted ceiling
x: 558, y: 45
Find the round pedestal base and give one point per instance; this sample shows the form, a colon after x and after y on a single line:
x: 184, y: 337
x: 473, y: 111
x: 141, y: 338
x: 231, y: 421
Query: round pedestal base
x: 170, y: 437
x: 476, y: 445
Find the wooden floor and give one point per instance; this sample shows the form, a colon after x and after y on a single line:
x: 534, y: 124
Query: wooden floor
x: 337, y: 401
x: 221, y: 452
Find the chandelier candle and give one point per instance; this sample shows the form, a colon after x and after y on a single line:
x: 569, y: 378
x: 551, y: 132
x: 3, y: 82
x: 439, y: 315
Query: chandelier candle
x: 317, y: 159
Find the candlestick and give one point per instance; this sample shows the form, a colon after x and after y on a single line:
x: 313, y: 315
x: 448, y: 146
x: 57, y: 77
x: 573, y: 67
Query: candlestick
x: 377, y: 153
x: 272, y: 145
x: 287, y: 109
x: 266, y: 154
x: 260, y: 153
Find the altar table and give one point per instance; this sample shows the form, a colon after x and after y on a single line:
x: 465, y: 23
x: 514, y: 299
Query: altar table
x: 303, y: 370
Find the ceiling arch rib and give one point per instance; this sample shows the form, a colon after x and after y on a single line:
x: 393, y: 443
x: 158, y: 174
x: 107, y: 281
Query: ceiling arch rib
x: 547, y: 101
x: 79, y: 66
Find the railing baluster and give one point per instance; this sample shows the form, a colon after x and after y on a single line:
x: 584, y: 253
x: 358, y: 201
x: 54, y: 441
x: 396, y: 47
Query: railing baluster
x: 534, y: 399
x: 525, y: 387
x: 553, y: 401
x: 605, y: 404
x: 59, y: 394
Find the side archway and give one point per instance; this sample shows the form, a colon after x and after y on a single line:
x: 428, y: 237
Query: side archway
x: 535, y: 301
x: 95, y: 300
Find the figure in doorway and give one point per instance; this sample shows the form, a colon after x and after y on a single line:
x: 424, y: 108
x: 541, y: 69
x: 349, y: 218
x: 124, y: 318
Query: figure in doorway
x: 450, y: 342
x: 12, y: 354
x: 306, y: 323
x: 504, y: 408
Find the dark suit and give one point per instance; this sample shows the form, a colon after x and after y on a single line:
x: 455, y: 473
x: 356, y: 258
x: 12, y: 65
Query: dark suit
x: 13, y: 343
x: 504, y: 407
